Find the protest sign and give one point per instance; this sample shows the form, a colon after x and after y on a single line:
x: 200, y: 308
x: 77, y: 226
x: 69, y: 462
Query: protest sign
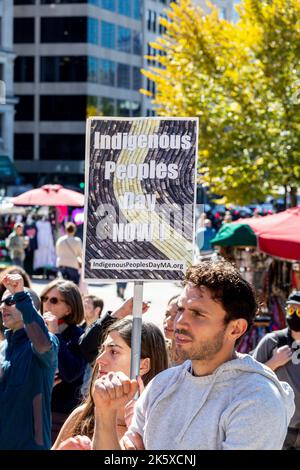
x: 140, y: 197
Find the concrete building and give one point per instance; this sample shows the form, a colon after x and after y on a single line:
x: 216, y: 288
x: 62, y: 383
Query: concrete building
x: 77, y: 58
x: 7, y: 99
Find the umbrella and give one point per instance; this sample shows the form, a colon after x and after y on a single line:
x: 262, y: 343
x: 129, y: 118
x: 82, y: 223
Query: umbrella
x: 235, y: 235
x: 49, y: 195
x: 278, y: 234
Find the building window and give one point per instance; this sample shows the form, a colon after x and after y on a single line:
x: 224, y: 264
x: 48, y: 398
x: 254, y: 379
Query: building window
x: 53, y: 2
x: 62, y: 146
x: 24, y: 69
x: 23, y: 146
x: 93, y: 26
x: 1, y: 127
x: 23, y: 30
x: 135, y: 109
x: 124, y: 7
x: 161, y: 28
x: 151, y: 86
x: 223, y: 13
x: 25, y: 108
x: 109, y: 5
x: 62, y: 107
x: 124, y: 39
x: 107, y: 72
x: 151, y: 21
x: 64, y: 29
x: 107, y: 106
x: 137, y: 9
x: 151, y: 53
x: 93, y: 66
x: 63, y: 69
x: 127, y: 108
x: 123, y: 76
x: 137, y: 43
x: 136, y: 78
x: 108, y: 35
x: 25, y: 2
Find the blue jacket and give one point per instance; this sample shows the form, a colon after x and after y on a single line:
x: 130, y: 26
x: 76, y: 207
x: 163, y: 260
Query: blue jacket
x: 28, y: 360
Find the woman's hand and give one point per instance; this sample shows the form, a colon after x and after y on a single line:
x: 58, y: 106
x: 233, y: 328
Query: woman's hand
x: 51, y: 322
x: 129, y: 408
x: 112, y: 392
x: 14, y: 283
x: 76, y: 443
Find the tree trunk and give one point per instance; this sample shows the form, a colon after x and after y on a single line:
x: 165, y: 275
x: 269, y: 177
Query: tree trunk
x: 293, y: 196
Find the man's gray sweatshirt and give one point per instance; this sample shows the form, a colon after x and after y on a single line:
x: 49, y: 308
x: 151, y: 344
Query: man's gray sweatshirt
x: 242, y: 405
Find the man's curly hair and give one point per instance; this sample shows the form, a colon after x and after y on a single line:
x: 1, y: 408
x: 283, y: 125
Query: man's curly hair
x: 227, y: 287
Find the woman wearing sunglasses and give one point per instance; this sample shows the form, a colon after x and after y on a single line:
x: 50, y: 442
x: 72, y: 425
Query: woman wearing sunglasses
x: 280, y: 350
x: 62, y: 309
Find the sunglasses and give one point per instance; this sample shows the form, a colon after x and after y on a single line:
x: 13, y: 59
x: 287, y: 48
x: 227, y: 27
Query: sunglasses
x: 9, y: 301
x: 52, y: 300
x: 291, y: 310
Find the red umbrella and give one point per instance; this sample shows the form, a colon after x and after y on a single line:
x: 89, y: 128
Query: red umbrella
x: 49, y: 195
x: 278, y: 234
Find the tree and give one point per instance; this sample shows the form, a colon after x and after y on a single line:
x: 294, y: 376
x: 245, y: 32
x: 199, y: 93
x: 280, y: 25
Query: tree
x: 242, y: 81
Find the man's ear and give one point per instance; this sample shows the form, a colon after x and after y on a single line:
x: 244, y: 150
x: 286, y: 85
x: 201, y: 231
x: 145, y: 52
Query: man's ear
x: 97, y: 310
x: 145, y: 366
x: 237, y: 328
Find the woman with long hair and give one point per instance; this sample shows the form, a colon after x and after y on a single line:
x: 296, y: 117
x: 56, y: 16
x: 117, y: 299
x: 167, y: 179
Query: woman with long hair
x: 62, y: 309
x: 114, y: 356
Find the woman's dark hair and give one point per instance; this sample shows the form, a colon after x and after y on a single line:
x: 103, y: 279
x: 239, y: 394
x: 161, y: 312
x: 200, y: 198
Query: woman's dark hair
x: 70, y: 227
x: 152, y: 346
x: 72, y: 297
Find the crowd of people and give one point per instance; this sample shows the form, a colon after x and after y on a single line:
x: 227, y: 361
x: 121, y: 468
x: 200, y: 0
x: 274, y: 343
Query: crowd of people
x: 65, y: 368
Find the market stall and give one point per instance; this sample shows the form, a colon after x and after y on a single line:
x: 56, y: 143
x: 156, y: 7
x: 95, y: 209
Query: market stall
x: 266, y: 251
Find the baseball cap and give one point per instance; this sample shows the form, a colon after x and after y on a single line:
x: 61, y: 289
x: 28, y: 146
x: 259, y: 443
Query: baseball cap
x: 294, y: 298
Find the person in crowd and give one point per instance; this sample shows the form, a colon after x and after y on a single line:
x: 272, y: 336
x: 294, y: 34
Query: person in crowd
x: 44, y: 258
x: 16, y: 243
x: 93, y: 307
x: 121, y: 287
x: 227, y: 218
x: 62, y: 309
x: 27, y: 283
x: 171, y: 311
x: 114, y: 356
x: 204, y: 235
x: 217, y: 399
x: 92, y: 338
x: 28, y: 362
x: 280, y: 350
x: 69, y: 254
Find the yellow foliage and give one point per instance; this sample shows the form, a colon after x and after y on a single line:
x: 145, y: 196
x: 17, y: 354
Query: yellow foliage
x: 241, y: 80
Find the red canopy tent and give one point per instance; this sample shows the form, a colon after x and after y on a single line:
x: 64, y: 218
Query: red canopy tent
x: 49, y: 195
x: 278, y: 234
